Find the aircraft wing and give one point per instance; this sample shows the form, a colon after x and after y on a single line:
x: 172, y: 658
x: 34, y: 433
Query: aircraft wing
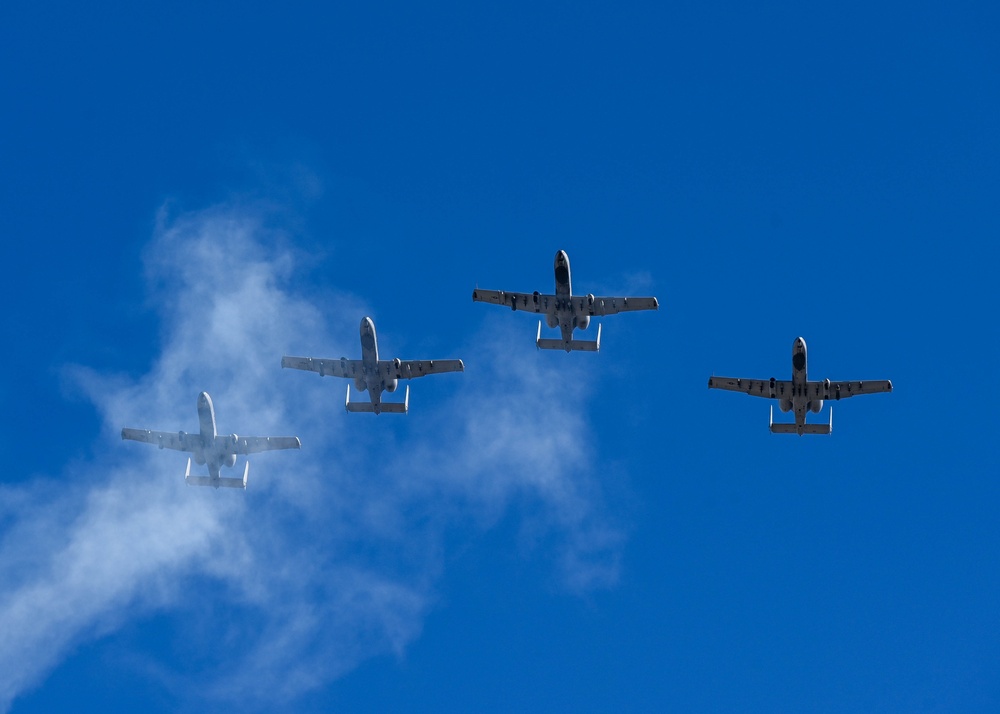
x: 178, y: 441
x: 529, y: 302
x: 413, y: 368
x: 348, y: 368
x: 597, y: 306
x: 255, y: 444
x: 768, y: 388
x: 842, y: 390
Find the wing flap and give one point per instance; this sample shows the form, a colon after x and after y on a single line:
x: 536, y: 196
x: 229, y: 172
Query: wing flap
x: 178, y: 441
x: 767, y: 388
x: 413, y: 368
x: 348, y: 368
x: 600, y: 306
x: 257, y: 444
x: 529, y: 302
x: 843, y: 390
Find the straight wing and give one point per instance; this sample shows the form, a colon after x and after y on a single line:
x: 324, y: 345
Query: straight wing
x: 768, y: 388
x: 413, y: 368
x: 529, y: 302
x: 597, y: 306
x: 842, y: 390
x: 178, y: 441
x: 348, y: 368
x: 255, y: 444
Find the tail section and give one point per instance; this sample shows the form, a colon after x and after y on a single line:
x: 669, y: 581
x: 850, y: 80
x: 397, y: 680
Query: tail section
x: 384, y: 407
x: 221, y: 482
x: 545, y: 343
x: 800, y: 430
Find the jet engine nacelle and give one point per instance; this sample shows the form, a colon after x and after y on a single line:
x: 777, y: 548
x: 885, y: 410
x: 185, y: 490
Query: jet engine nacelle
x: 551, y: 320
x: 199, y: 458
x: 583, y: 321
x: 391, y: 384
x: 785, y: 405
x: 359, y: 384
x: 816, y: 406
x: 232, y: 443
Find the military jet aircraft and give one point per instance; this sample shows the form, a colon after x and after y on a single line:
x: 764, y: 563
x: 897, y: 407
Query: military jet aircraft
x: 374, y: 374
x: 800, y: 394
x: 564, y: 309
x: 211, y: 448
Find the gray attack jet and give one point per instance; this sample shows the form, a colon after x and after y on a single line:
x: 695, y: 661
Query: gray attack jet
x: 564, y: 309
x: 374, y: 374
x: 211, y: 448
x: 800, y: 395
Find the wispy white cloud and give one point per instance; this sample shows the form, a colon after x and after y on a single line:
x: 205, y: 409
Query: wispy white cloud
x: 332, y: 554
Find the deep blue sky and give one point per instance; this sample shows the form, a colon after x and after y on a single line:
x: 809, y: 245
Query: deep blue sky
x: 766, y: 172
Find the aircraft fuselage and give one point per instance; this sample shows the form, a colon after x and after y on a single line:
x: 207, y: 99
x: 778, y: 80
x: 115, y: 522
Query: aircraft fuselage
x: 800, y: 363
x: 213, y: 451
x: 369, y: 364
x: 564, y: 317
x: 800, y: 402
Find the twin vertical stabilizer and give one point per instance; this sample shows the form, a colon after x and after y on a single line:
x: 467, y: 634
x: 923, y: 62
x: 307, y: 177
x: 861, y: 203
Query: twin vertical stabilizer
x: 221, y: 482
x: 384, y: 407
x: 779, y: 428
x: 545, y: 343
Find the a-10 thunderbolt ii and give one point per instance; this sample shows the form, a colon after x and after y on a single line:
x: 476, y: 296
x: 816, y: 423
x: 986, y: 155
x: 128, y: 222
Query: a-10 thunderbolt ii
x: 800, y: 395
x: 564, y: 309
x: 211, y: 448
x: 373, y: 374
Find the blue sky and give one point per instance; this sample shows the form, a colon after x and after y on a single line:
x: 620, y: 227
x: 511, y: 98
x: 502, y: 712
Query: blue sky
x: 190, y: 192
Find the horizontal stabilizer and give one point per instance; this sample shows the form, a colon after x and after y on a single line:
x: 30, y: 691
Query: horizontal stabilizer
x: 384, y: 407
x: 220, y: 482
x: 365, y: 407
x: 216, y: 482
x: 778, y: 428
x: 545, y: 343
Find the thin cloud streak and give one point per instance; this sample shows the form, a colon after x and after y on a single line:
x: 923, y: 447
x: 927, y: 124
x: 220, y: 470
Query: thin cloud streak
x: 332, y: 555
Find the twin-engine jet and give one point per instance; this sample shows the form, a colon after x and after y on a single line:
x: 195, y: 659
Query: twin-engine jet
x: 800, y: 395
x: 372, y: 374
x: 564, y: 309
x: 211, y: 448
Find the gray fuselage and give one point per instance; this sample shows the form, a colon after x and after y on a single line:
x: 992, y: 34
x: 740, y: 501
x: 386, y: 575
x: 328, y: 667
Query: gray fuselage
x: 564, y: 317
x: 800, y: 401
x: 369, y: 364
x: 213, y: 451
